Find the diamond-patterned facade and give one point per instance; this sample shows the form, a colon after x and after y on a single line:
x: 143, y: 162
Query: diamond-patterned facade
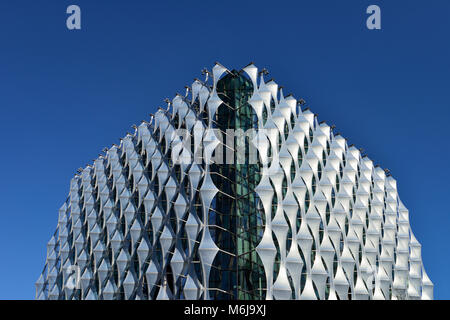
x: 311, y: 219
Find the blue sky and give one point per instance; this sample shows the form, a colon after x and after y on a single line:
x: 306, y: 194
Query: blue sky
x: 65, y: 95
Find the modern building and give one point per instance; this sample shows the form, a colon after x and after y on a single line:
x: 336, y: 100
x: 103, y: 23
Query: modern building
x: 287, y: 210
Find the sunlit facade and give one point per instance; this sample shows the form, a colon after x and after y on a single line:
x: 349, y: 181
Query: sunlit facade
x: 312, y: 218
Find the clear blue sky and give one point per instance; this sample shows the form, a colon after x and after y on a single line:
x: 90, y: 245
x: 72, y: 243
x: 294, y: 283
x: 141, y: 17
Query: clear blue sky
x: 65, y: 95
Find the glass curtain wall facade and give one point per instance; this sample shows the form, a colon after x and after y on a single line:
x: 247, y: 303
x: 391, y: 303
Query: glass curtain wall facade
x: 239, y: 272
x: 179, y: 210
